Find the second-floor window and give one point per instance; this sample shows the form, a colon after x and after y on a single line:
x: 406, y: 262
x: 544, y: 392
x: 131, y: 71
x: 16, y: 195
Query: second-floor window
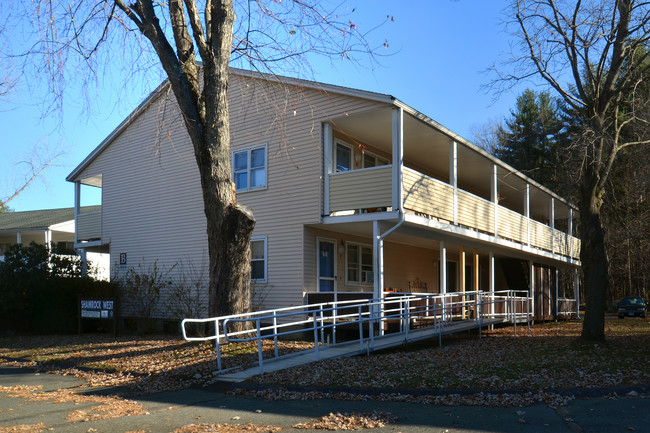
x: 372, y: 160
x: 343, y: 157
x: 249, y: 168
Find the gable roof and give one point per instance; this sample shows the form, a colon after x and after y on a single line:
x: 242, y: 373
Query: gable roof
x: 330, y: 88
x: 324, y: 87
x: 39, y: 219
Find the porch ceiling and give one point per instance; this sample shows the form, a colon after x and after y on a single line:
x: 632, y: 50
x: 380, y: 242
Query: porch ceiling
x: 92, y: 181
x: 426, y: 149
x: 416, y: 235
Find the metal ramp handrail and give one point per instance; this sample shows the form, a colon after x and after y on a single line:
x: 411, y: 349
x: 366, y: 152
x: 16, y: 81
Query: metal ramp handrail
x: 438, y: 310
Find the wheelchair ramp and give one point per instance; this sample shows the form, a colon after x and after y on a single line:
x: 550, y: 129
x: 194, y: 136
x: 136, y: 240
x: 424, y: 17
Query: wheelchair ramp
x: 357, y: 347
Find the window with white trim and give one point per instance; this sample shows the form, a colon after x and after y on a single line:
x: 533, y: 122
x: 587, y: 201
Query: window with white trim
x: 358, y: 264
x: 258, y: 259
x: 249, y: 167
x: 372, y: 160
x: 343, y: 157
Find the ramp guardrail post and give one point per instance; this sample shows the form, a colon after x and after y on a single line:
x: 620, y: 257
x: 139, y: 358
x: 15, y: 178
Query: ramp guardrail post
x: 315, y: 321
x: 217, y: 343
x: 260, y: 354
x: 275, y: 333
x: 360, y: 328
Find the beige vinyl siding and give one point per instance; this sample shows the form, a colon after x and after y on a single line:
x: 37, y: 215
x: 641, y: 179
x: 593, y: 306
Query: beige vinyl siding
x: 152, y: 205
x: 424, y: 194
x: 512, y: 225
x: 262, y: 112
x: 404, y: 263
x: 475, y: 212
x: 540, y: 235
x: 90, y: 226
x: 361, y: 189
x: 561, y: 243
x: 153, y: 209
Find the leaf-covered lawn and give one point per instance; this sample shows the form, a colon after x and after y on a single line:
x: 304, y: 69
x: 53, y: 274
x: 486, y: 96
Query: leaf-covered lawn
x: 145, y: 364
x: 548, y: 357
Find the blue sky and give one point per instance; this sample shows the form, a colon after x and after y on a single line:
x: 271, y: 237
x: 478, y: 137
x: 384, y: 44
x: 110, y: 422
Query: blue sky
x: 442, y: 49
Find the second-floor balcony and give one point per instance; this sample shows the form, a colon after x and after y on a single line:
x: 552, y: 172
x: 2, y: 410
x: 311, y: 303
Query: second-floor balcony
x: 444, y: 180
x: 89, y: 226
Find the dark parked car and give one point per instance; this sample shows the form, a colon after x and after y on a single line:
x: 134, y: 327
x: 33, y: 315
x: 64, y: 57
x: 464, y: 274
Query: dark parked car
x: 632, y: 307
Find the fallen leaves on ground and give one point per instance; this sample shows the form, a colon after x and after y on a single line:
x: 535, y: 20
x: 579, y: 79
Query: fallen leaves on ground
x: 548, y: 357
x: 23, y: 428
x: 503, y: 399
x: 227, y: 428
x: 538, y: 362
x: 353, y: 421
x: 108, y: 407
x: 144, y: 364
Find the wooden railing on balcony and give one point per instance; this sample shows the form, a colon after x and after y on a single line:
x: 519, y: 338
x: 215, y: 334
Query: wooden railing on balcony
x: 432, y: 198
x: 89, y: 226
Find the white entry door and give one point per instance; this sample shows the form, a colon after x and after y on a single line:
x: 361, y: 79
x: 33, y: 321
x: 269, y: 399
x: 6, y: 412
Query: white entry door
x: 326, y: 265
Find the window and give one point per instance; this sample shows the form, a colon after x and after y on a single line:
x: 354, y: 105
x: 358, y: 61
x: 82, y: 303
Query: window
x: 372, y: 160
x: 258, y: 259
x: 358, y: 264
x: 343, y: 157
x: 249, y: 168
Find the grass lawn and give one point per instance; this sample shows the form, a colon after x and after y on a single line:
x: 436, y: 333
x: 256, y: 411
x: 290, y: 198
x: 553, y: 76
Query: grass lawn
x: 549, y: 357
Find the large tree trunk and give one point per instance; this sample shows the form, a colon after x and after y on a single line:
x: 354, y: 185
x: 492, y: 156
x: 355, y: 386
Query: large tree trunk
x: 594, y: 263
x: 229, y: 225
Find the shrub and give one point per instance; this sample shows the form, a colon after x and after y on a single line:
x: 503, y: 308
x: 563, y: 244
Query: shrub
x: 39, y: 290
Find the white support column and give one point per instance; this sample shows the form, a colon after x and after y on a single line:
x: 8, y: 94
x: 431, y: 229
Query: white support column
x: 328, y: 152
x: 19, y: 238
x: 576, y: 291
x: 84, y: 263
x: 443, y: 267
x: 48, y: 238
x: 557, y: 293
x: 570, y: 233
x: 492, y: 282
x: 453, y: 175
x: 494, y: 196
x: 527, y: 212
x: 551, y: 217
x: 398, y: 157
x: 475, y: 271
x: 77, y: 208
x: 461, y: 277
x: 378, y: 257
x: 531, y: 289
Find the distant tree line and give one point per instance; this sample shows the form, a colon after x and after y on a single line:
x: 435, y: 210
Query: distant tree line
x: 537, y: 139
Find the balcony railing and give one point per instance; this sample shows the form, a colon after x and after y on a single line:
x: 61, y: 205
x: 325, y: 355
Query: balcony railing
x: 432, y: 198
x: 89, y: 226
x: 361, y: 189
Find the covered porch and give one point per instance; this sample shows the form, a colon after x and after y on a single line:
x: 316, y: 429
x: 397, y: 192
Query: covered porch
x: 379, y: 258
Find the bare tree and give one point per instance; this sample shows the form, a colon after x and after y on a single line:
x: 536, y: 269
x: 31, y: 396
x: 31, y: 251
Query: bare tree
x: 593, y: 54
x: 30, y: 168
x: 194, y: 42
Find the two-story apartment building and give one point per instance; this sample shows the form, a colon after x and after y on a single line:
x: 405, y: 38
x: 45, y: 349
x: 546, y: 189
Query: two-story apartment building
x: 352, y: 191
